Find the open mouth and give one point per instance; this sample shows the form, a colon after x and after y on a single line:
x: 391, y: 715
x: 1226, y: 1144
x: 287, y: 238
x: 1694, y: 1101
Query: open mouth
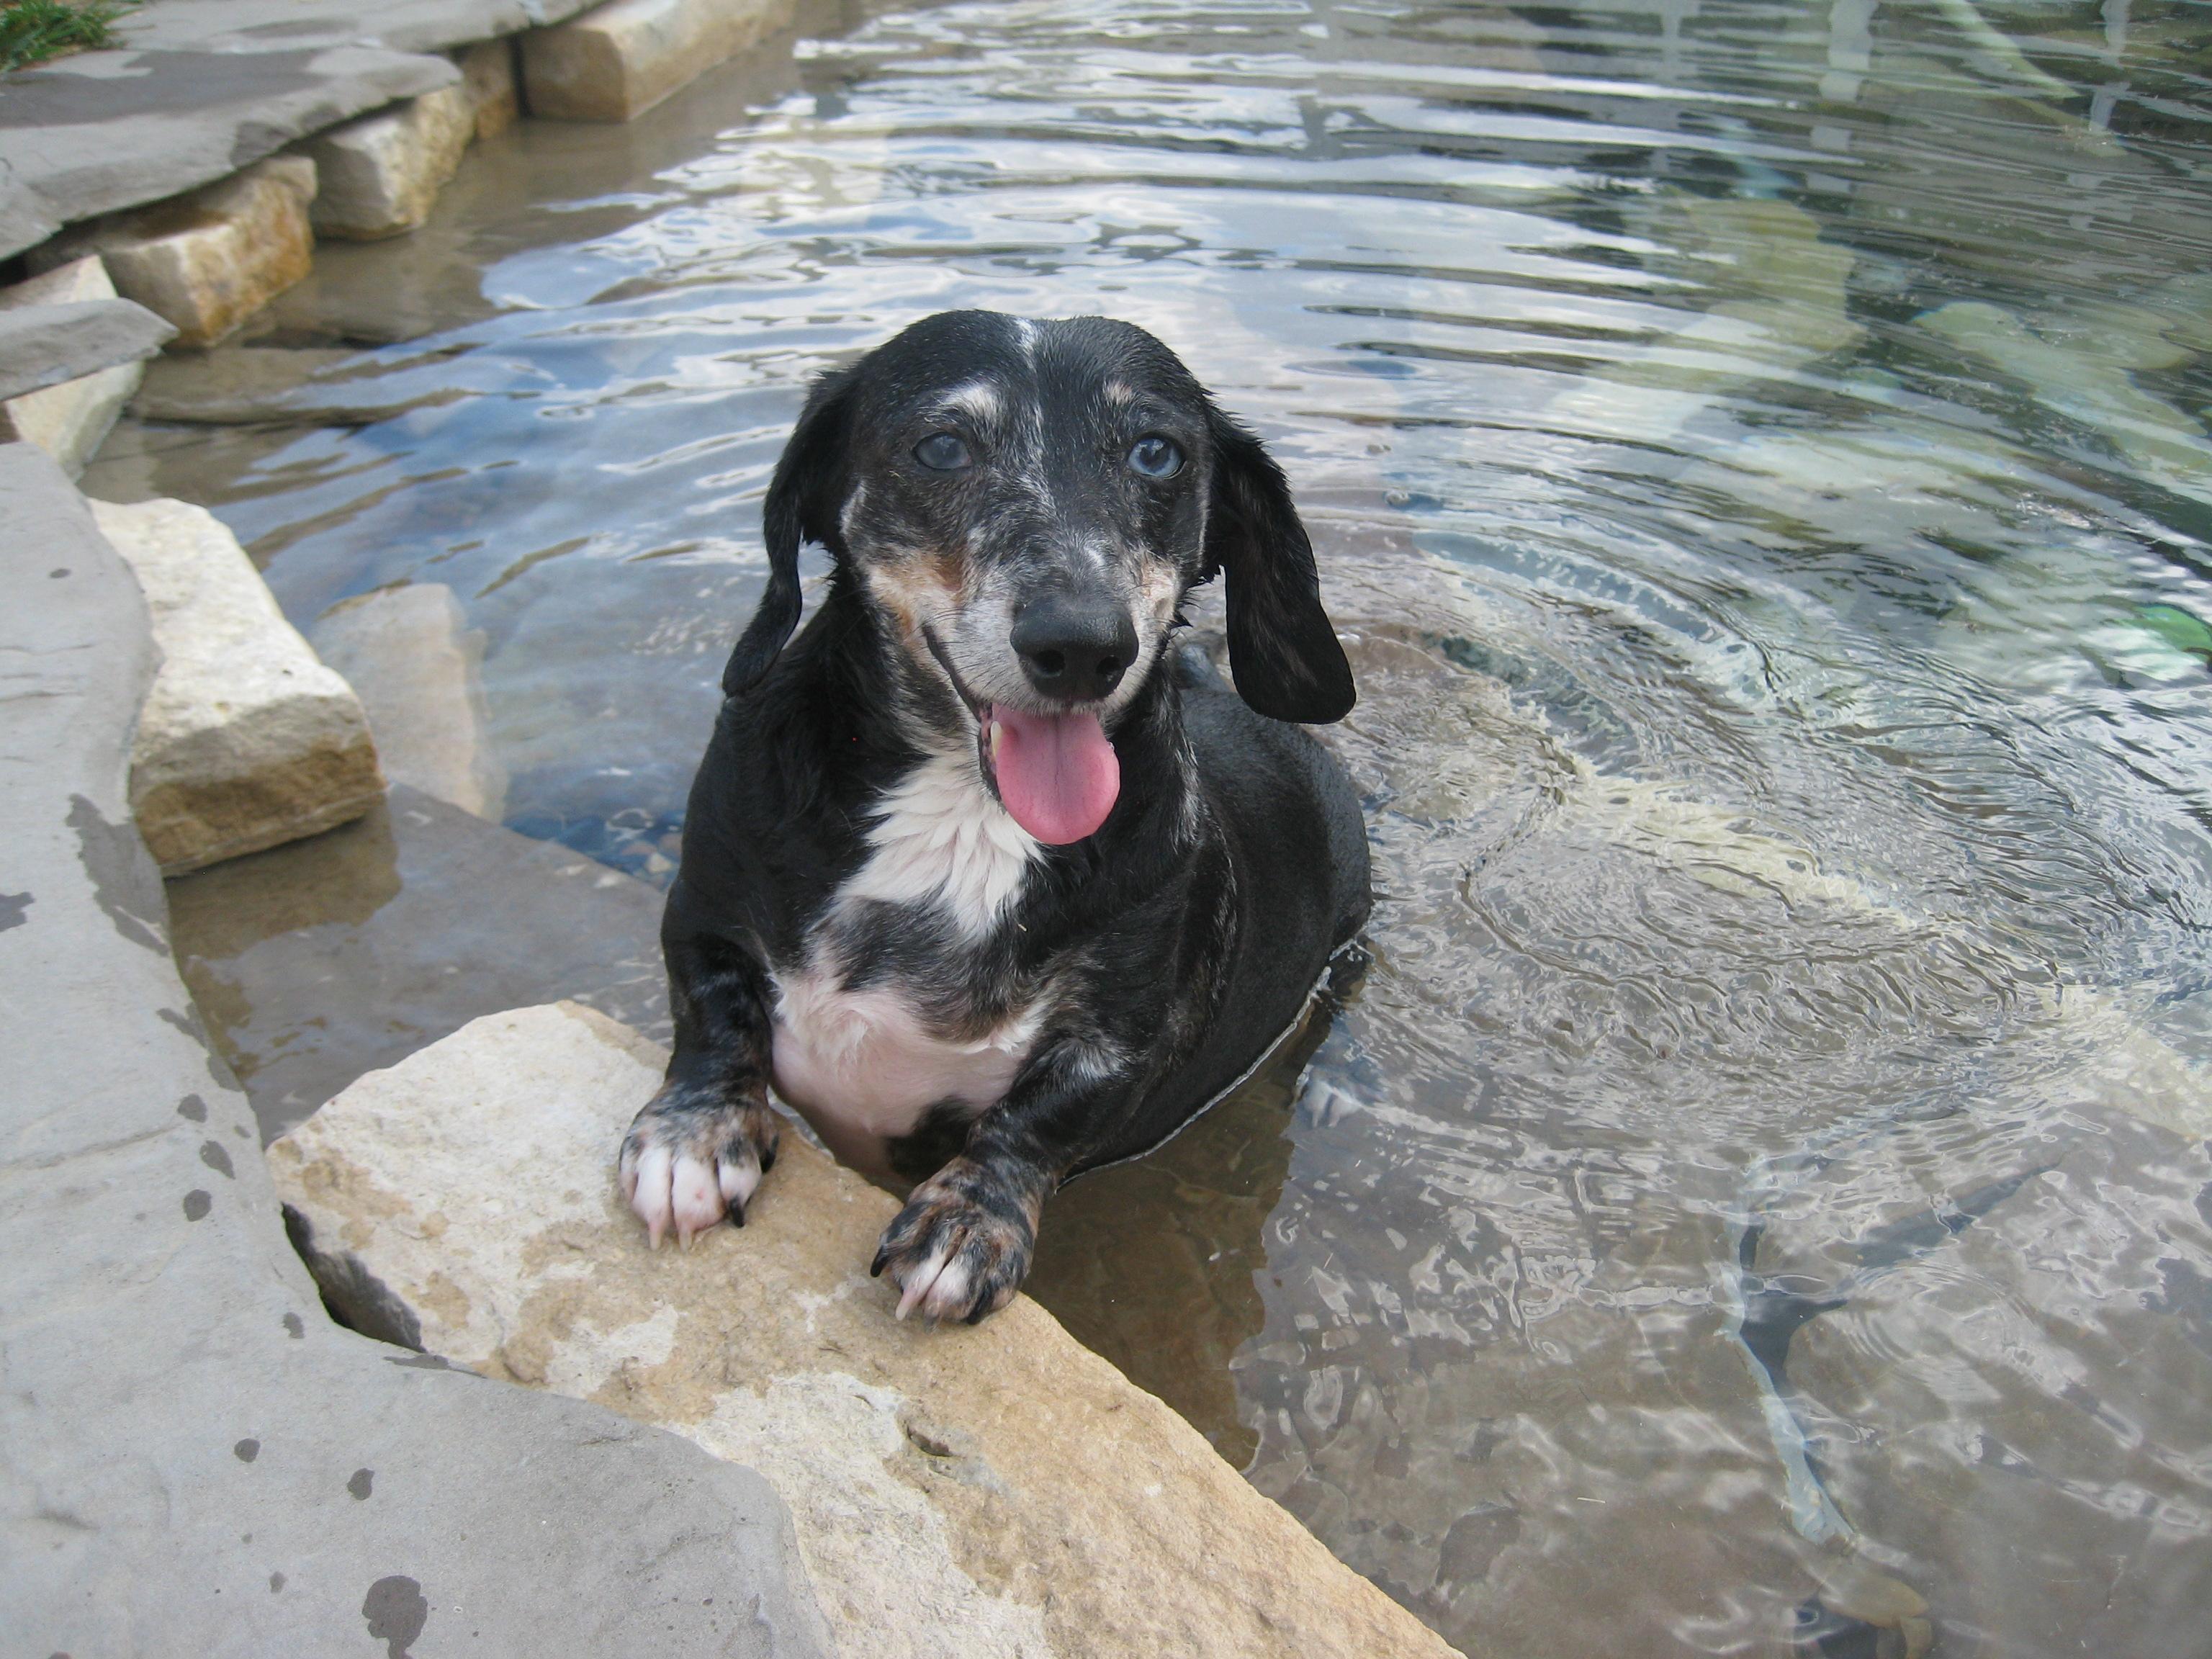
x: 1056, y: 774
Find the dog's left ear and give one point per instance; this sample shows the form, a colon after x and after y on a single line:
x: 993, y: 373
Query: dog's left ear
x: 1282, y: 648
x: 802, y: 502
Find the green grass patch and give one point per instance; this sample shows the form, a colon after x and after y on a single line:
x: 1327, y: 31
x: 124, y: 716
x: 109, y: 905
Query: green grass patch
x: 32, y: 31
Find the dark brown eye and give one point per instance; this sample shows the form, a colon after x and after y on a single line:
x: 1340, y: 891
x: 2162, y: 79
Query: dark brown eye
x: 1155, y: 456
x: 942, y: 452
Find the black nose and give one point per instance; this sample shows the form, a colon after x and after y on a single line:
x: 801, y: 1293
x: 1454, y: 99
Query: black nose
x: 1074, y: 648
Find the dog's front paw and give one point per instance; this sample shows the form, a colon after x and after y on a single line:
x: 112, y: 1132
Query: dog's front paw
x: 961, y: 1248
x: 690, y: 1157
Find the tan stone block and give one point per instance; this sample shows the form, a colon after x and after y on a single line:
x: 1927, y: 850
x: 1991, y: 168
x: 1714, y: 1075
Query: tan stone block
x: 417, y: 667
x: 246, y: 740
x: 622, y: 59
x: 990, y: 1491
x: 69, y: 420
x: 488, y: 71
x: 379, y: 176
x: 209, y: 260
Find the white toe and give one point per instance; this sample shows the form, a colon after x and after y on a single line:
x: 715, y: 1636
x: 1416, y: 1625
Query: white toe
x: 650, y: 1196
x: 948, y: 1295
x: 696, y: 1197
x: 916, y: 1284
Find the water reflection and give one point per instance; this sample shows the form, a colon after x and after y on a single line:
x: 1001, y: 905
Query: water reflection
x: 1757, y: 1198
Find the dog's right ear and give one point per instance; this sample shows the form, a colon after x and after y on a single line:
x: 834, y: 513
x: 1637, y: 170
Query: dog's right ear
x: 804, y: 498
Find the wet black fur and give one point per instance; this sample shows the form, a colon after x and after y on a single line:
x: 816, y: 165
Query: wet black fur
x: 1181, y: 943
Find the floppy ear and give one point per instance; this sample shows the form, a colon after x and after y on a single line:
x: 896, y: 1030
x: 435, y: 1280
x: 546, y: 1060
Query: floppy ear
x: 1282, y: 648
x: 802, y: 502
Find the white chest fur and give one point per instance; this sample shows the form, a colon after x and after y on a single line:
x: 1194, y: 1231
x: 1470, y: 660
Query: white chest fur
x: 864, y: 1066
x: 944, y: 842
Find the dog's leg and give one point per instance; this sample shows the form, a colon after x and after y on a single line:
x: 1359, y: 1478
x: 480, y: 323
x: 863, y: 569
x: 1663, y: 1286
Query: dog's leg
x: 699, y: 1148
x: 962, y: 1246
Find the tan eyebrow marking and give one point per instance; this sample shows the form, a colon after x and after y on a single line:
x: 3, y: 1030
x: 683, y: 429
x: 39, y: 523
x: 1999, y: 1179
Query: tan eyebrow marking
x: 978, y: 398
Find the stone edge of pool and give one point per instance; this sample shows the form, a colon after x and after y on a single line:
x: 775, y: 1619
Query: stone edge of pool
x: 198, y: 1459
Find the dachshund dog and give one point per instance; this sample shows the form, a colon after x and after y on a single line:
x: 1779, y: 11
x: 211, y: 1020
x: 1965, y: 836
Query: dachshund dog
x: 983, y: 873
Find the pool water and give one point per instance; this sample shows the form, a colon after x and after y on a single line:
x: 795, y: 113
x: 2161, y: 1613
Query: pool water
x: 1752, y: 1194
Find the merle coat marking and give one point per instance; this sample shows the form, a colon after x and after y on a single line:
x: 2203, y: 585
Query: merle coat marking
x: 1015, y: 511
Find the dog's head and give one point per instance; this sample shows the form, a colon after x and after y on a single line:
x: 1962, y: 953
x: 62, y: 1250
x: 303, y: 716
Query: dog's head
x: 1025, y: 505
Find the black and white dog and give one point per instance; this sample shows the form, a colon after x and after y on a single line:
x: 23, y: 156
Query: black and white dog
x: 983, y: 877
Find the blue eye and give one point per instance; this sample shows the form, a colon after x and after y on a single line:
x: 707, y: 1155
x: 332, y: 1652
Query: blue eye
x: 1155, y: 456
x: 942, y: 452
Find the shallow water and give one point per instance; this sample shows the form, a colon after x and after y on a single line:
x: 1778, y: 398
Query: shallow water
x: 1756, y: 1194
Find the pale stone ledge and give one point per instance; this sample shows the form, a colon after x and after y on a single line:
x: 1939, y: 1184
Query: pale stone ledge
x: 621, y: 59
x: 69, y: 420
x: 246, y: 740
x: 209, y: 260
x: 989, y: 1491
x: 379, y: 176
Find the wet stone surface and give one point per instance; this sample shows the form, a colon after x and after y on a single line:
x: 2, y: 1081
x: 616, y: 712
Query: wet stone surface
x: 332, y: 956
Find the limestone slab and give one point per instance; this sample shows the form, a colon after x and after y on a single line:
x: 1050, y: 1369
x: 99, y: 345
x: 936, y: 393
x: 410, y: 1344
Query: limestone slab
x: 379, y: 176
x: 620, y: 60
x: 988, y: 1491
x: 245, y: 739
x: 193, y: 1459
x: 236, y: 385
x: 208, y: 261
x: 68, y: 420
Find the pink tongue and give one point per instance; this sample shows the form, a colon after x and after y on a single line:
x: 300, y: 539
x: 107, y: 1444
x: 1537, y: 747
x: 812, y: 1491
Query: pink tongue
x: 1057, y: 775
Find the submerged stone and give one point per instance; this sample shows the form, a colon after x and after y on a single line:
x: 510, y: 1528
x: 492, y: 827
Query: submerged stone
x: 417, y: 666
x: 272, y: 386
x: 325, y: 959
x: 2088, y: 384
